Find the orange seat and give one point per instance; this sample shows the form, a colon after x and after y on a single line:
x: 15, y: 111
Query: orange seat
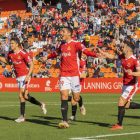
x: 106, y: 75
x: 8, y: 66
x: 90, y: 70
x: 57, y: 70
x: 55, y: 75
x: 51, y: 70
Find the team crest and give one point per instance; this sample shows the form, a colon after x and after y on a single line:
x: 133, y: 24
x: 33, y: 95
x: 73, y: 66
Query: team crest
x: 68, y: 48
x: 128, y: 65
x: 19, y: 57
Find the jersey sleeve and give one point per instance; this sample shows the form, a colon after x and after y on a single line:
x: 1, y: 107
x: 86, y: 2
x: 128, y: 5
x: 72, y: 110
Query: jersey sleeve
x: 80, y: 47
x: 55, y: 54
x: 121, y: 56
x: 27, y: 58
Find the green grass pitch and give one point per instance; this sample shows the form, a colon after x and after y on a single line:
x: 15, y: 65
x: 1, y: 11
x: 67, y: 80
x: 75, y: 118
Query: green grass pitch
x: 101, y: 114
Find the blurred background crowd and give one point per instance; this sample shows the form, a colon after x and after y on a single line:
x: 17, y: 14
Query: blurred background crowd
x: 103, y: 24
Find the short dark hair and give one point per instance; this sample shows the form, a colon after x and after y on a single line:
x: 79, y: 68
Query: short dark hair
x: 69, y: 29
x: 130, y: 45
x: 15, y: 39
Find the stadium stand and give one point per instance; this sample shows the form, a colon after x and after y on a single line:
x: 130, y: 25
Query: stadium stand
x: 40, y: 31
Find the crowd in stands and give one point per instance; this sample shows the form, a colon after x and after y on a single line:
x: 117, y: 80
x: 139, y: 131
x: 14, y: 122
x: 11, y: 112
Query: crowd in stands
x: 104, y: 25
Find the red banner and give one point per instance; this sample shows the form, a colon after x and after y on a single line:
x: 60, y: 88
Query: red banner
x: 92, y: 85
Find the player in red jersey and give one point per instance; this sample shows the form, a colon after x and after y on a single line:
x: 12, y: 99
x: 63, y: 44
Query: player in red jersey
x: 82, y: 80
x: 69, y: 71
x: 19, y: 59
x: 131, y: 68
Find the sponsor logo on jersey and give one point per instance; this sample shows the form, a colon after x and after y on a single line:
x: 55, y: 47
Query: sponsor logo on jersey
x: 68, y: 48
x: 77, y: 86
x: 17, y: 62
x: 128, y: 65
x: 126, y: 91
x: 66, y: 54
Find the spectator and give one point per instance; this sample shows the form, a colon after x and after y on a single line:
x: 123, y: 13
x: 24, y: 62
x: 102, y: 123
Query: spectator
x: 48, y: 7
x: 100, y: 43
x: 59, y: 7
x: 118, y: 65
x: 38, y: 28
x: 91, y: 3
x: 6, y: 73
x: 87, y: 38
x: 48, y: 64
x: 96, y: 72
x: 43, y: 35
x: 29, y: 7
x: 136, y: 51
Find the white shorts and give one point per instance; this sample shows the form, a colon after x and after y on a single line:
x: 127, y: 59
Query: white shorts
x: 80, y: 89
x: 21, y: 82
x: 129, y: 91
x: 71, y: 83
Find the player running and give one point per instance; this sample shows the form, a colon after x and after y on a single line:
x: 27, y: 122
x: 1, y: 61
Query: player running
x: 131, y: 68
x: 69, y: 71
x: 70, y: 98
x: 20, y: 59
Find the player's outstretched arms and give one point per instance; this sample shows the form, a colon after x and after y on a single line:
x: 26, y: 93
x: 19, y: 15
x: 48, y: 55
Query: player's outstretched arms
x: 4, y: 60
x: 136, y: 74
x: 106, y: 55
x: 30, y: 72
x: 43, y: 59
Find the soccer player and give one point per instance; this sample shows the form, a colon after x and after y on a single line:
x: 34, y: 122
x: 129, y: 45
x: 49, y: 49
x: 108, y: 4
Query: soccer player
x: 131, y: 68
x: 20, y: 59
x: 82, y: 76
x: 69, y: 71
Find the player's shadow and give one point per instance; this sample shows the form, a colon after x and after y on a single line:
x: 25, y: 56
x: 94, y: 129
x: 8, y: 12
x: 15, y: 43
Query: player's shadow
x: 48, y: 118
x: 96, y: 123
x: 37, y: 121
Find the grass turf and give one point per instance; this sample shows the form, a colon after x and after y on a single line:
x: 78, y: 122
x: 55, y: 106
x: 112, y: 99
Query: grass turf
x: 101, y: 114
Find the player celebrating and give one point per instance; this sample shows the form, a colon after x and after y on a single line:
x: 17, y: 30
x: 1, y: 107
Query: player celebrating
x: 82, y: 76
x: 69, y: 71
x: 19, y: 59
x: 131, y: 66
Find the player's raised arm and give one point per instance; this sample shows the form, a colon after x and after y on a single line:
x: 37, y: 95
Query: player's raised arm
x: 82, y: 48
x: 4, y: 60
x: 106, y: 55
x: 53, y: 55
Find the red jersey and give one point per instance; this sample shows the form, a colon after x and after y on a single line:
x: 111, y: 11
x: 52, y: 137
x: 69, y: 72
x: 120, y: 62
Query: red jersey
x: 129, y: 64
x: 70, y: 57
x: 20, y: 60
x: 82, y: 69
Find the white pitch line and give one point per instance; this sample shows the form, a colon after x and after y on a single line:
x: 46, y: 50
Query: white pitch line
x: 60, y: 102
x: 56, y: 103
x: 102, y: 136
